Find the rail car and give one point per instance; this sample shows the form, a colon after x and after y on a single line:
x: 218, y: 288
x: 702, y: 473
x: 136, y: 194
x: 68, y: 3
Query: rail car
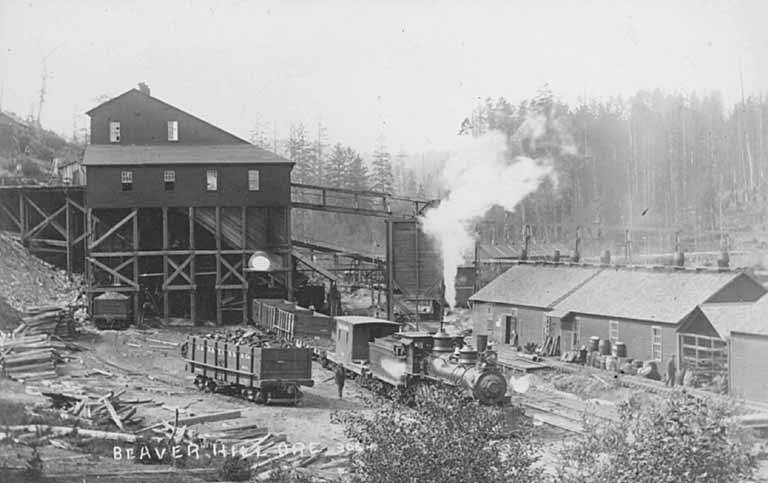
x: 379, y: 354
x: 256, y: 373
x: 376, y: 351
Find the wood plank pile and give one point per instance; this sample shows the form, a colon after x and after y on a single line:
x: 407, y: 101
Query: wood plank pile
x: 252, y: 337
x: 29, y: 358
x: 99, y: 410
x: 55, y: 320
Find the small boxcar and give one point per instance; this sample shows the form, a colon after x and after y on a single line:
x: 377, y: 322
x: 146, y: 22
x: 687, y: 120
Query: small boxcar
x: 260, y: 374
x: 110, y: 311
x: 351, y: 338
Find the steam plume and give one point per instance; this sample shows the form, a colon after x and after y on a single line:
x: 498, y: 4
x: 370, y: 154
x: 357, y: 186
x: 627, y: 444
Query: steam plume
x: 478, y: 176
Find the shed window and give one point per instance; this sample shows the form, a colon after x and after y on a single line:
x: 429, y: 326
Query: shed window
x: 169, y: 177
x: 253, y: 180
x: 126, y: 179
x: 173, y: 130
x: 613, y: 331
x: 114, y: 131
x: 211, y: 180
x: 656, y: 343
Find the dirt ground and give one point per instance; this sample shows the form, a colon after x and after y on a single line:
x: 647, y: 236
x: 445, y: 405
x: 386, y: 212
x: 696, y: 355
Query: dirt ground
x: 158, y: 374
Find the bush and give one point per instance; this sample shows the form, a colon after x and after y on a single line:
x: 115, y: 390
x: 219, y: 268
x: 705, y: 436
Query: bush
x: 235, y: 468
x: 443, y: 439
x: 678, y: 440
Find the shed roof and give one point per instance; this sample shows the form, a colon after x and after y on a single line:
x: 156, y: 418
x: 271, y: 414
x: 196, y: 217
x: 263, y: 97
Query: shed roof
x: 495, y: 250
x: 133, y: 155
x: 363, y: 320
x: 747, y: 318
x: 663, y: 296
x: 535, y: 285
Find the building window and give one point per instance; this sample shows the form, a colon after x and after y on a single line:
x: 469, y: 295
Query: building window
x: 253, y: 180
x: 656, y: 344
x: 169, y: 177
x: 114, y: 131
x: 173, y: 130
x: 613, y: 331
x: 211, y: 180
x: 126, y: 179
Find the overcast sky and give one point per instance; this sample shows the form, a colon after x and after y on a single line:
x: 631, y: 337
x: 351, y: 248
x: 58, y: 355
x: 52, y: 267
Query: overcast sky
x: 408, y: 70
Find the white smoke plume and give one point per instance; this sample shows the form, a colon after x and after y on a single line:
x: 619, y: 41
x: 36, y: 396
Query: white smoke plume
x: 478, y: 176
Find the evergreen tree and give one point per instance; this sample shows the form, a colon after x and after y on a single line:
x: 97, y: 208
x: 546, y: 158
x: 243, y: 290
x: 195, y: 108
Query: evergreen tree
x: 336, y: 170
x: 358, y: 173
x: 299, y: 151
x: 382, y: 169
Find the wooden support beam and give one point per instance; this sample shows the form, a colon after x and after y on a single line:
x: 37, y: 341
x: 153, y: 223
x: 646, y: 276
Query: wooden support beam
x: 229, y: 287
x: 179, y: 270
x: 10, y: 214
x: 390, y: 288
x: 88, y: 268
x: 68, y: 223
x: 48, y: 220
x: 193, y: 293
x: 22, y: 216
x: 111, y: 271
x: 45, y: 216
x: 136, y: 301
x: 156, y: 253
x: 112, y: 230
x: 243, y: 261
x: 219, y: 319
x: 166, y: 308
x: 232, y: 270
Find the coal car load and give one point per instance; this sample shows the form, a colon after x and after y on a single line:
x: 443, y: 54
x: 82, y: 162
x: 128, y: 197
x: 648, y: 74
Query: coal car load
x: 248, y: 365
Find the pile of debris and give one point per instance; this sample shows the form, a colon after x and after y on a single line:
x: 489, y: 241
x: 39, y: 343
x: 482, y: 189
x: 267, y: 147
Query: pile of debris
x: 26, y: 280
x: 57, y: 320
x: 251, y: 337
x: 98, y: 410
x: 29, y: 358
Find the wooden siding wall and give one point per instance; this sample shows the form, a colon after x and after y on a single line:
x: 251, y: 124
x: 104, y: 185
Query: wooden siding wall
x: 530, y: 322
x: 417, y: 264
x: 145, y: 121
x: 749, y: 367
x: 105, y: 188
x: 636, y: 334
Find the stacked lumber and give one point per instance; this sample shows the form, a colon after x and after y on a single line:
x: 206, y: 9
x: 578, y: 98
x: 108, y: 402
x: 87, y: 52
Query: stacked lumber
x: 100, y: 410
x: 28, y: 358
x: 55, y: 320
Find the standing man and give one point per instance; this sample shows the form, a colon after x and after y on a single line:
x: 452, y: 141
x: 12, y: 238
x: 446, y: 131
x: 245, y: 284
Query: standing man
x: 340, y: 375
x: 671, y: 371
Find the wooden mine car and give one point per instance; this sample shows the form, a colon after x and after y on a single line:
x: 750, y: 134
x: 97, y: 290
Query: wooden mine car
x: 259, y: 374
x: 110, y: 311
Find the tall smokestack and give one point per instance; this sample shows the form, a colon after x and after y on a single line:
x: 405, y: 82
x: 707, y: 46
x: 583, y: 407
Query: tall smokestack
x: 526, y: 242
x: 679, y: 258
x: 577, y: 246
x: 725, y: 258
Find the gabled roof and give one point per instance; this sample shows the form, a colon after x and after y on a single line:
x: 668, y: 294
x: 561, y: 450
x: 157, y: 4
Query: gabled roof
x: 747, y: 318
x: 107, y: 155
x: 535, y: 285
x: 363, y: 320
x: 663, y: 296
x: 155, y: 99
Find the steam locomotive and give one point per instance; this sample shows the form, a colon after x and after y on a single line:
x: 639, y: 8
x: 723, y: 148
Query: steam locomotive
x: 375, y: 351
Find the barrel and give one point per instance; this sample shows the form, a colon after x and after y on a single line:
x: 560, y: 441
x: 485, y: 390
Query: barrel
x: 482, y: 342
x: 594, y: 343
x: 605, y: 347
x: 620, y: 349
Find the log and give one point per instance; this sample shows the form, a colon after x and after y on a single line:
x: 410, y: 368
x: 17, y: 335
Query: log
x: 203, y: 418
x: 164, y: 342
x: 113, y: 414
x: 62, y: 431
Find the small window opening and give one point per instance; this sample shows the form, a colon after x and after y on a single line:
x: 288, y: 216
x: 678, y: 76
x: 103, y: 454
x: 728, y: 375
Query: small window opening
x: 169, y: 177
x: 114, y: 131
x: 253, y: 180
x: 126, y: 179
x: 173, y: 130
x: 211, y: 180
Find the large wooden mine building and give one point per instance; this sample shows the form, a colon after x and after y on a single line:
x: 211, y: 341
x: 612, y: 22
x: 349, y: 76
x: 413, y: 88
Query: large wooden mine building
x: 177, y: 208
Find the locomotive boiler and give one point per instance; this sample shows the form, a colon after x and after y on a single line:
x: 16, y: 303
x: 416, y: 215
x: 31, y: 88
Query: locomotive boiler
x: 405, y: 358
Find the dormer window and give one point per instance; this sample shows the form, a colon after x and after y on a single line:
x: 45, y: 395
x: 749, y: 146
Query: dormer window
x: 173, y: 131
x: 114, y: 131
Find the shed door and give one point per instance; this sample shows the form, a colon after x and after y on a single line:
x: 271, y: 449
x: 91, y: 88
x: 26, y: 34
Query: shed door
x: 510, y: 328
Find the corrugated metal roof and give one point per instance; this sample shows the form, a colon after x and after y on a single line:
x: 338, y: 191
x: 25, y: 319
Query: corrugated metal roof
x: 106, y: 155
x: 664, y: 296
x: 748, y: 318
x: 534, y: 285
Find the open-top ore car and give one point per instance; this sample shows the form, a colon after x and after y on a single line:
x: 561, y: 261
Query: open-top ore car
x: 254, y: 371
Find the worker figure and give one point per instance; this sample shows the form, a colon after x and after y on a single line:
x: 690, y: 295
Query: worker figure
x: 340, y: 375
x: 671, y: 371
